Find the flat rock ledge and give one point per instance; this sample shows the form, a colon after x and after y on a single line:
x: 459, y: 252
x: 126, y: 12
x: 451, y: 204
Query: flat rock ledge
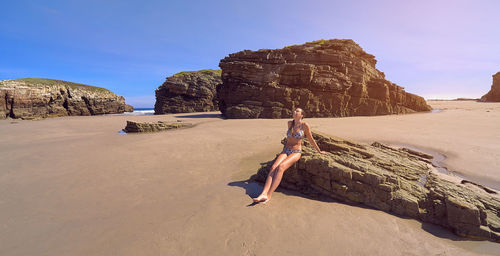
x: 400, y: 181
x: 134, y: 127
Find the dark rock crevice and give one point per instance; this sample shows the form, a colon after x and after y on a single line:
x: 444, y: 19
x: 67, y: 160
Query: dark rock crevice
x: 89, y: 106
x: 69, y: 92
x: 11, y: 110
x: 65, y: 105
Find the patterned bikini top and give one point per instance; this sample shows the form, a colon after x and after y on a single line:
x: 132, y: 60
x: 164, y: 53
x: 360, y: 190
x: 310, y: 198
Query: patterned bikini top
x: 298, y: 135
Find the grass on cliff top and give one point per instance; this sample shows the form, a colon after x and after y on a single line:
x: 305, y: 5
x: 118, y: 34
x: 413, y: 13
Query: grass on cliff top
x: 321, y: 42
x: 216, y: 72
x: 45, y: 81
x: 318, y: 42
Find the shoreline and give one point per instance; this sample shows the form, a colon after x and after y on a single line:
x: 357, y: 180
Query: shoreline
x: 439, y: 162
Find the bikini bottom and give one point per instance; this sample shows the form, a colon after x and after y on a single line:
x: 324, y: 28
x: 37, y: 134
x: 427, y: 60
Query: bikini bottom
x: 288, y: 151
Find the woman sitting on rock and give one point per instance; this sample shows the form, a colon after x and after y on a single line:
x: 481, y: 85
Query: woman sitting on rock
x: 291, y: 153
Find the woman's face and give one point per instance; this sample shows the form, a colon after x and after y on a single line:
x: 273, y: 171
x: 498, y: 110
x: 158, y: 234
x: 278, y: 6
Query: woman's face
x: 297, y: 113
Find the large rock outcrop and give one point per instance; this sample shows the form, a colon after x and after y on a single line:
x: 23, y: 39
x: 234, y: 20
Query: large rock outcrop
x: 190, y: 91
x: 402, y: 181
x: 326, y: 78
x: 494, y: 93
x: 31, y: 98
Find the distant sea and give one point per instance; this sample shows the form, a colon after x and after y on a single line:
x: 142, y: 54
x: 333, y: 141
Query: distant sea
x: 137, y: 112
x: 141, y: 112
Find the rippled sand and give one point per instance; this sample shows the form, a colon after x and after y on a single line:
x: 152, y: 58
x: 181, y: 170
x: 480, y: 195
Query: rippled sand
x: 75, y: 186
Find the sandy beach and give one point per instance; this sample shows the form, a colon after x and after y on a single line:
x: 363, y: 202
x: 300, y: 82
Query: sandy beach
x: 76, y: 186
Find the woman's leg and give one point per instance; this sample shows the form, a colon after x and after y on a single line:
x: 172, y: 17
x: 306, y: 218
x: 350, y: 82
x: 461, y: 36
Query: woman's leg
x: 270, y: 176
x: 291, y: 159
x: 269, y: 180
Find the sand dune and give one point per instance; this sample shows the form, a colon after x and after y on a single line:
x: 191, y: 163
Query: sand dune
x: 74, y: 186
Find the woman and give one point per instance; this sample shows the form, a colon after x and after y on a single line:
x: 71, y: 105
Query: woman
x: 290, y: 155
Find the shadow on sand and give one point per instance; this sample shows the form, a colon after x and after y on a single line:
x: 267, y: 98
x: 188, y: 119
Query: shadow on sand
x: 253, y: 189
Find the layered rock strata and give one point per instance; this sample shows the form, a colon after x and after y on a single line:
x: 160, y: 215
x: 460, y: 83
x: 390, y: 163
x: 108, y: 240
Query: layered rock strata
x: 401, y: 181
x: 190, y: 91
x: 326, y: 78
x: 32, y: 98
x: 494, y: 93
x: 133, y: 127
x: 129, y: 108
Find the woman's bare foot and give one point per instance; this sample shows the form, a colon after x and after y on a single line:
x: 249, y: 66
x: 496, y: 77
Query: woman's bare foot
x: 261, y: 198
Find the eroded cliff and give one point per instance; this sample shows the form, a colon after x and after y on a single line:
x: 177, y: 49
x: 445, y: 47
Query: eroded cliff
x: 31, y: 98
x: 494, y: 93
x: 327, y: 78
x: 189, y: 91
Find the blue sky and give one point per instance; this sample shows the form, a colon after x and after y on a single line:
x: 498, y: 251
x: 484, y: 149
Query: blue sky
x: 436, y: 49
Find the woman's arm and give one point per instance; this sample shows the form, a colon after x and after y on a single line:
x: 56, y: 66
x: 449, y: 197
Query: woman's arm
x: 311, y: 139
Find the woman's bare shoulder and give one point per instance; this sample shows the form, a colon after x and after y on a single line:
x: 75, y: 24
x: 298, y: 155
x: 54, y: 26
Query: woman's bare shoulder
x: 306, y: 125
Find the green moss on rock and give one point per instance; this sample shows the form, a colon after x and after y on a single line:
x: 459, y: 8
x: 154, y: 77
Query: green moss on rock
x: 209, y: 72
x: 52, y: 82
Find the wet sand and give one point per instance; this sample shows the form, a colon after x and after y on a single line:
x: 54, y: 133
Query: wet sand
x: 75, y: 186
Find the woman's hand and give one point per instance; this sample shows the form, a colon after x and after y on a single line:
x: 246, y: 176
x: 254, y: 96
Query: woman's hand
x: 323, y: 152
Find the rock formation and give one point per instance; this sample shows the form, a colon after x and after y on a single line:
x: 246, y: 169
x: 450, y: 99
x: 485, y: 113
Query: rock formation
x: 129, y: 108
x: 326, y: 78
x: 133, y: 126
x: 32, y: 98
x: 494, y: 93
x: 401, y: 181
x: 191, y: 91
